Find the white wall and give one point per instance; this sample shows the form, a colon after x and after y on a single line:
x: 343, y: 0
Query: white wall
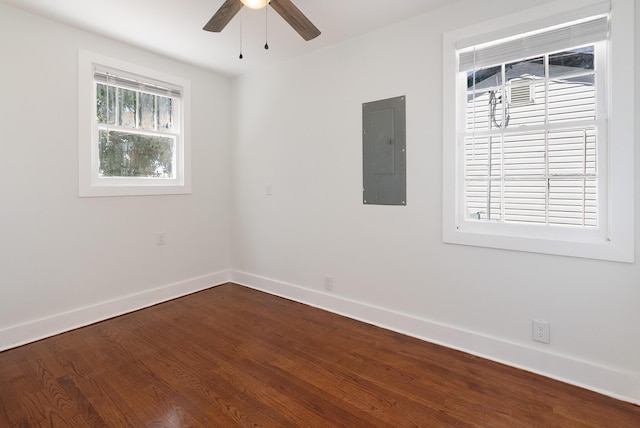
x: 298, y: 127
x: 65, y: 260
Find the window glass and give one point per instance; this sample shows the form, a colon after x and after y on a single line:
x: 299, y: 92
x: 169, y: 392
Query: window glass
x: 133, y: 127
x: 520, y: 167
x: 484, y: 78
x: 147, y: 112
x: 106, y: 104
x: 124, y: 154
x: 571, y: 62
x: 484, y: 109
x: 127, y: 106
x: 164, y: 113
x: 531, y: 68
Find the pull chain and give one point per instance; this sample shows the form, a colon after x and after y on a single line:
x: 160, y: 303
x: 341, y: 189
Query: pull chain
x: 241, y: 14
x: 266, y: 26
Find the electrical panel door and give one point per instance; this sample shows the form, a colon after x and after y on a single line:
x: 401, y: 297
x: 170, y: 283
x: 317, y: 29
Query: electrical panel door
x: 384, y: 152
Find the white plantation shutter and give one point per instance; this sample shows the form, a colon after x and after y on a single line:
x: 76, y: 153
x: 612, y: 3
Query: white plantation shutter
x: 531, y: 129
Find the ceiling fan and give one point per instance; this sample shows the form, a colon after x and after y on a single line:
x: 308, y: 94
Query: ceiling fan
x: 285, y: 8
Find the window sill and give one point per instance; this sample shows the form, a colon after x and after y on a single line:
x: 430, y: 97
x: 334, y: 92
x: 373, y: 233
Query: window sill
x: 595, y: 246
x: 132, y: 190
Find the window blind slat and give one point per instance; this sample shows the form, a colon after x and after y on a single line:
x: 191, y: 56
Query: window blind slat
x: 573, y: 35
x: 132, y: 82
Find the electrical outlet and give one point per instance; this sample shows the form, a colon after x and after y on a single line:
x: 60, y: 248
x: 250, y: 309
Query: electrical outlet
x: 328, y: 283
x: 268, y: 189
x: 541, y: 331
x: 161, y: 238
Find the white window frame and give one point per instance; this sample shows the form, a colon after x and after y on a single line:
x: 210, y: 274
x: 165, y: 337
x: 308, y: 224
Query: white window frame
x: 614, y: 239
x: 91, y: 183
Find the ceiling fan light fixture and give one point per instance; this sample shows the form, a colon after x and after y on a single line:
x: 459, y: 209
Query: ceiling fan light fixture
x: 255, y: 4
x: 285, y: 8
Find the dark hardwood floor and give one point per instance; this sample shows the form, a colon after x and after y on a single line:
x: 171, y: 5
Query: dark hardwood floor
x: 231, y: 356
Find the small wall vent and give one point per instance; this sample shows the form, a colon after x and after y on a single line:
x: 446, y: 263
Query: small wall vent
x: 521, y: 95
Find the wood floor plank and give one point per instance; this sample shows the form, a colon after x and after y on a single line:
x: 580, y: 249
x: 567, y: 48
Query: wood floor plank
x: 232, y: 356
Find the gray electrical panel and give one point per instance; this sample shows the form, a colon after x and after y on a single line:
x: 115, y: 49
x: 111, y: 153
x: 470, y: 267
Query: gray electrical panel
x: 384, y: 152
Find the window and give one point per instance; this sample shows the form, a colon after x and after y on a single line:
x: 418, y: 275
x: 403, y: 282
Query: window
x: 136, y: 141
x: 533, y: 131
x: 535, y: 162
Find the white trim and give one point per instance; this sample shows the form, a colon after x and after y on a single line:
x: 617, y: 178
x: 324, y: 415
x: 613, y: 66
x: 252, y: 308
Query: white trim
x: 31, y: 331
x: 89, y: 184
x: 601, y: 379
x: 539, y: 18
x: 620, y: 178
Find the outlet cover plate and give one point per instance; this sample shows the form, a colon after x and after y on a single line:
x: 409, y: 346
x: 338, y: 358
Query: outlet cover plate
x: 541, y: 331
x: 328, y: 283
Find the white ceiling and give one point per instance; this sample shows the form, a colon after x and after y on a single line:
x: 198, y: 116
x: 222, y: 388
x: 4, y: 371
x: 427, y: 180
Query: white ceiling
x: 174, y: 27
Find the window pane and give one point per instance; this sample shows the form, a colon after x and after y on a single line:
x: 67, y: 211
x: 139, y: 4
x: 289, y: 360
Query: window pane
x: 483, y: 169
x: 483, y: 157
x: 572, y: 152
x: 127, y: 108
x: 571, y: 62
x: 524, y: 154
x: 525, y: 200
x: 485, y: 110
x: 476, y: 157
x: 106, y: 104
x: 573, y: 202
x: 485, y: 78
x: 483, y: 198
x: 526, y: 91
x: 147, y: 111
x: 165, y: 113
x: 571, y: 100
x: 532, y: 68
x: 125, y: 154
x: 476, y: 195
x: 495, y: 201
x: 526, y: 106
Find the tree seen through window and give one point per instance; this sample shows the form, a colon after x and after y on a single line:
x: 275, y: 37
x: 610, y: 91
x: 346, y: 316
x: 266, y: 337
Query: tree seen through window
x: 134, y: 133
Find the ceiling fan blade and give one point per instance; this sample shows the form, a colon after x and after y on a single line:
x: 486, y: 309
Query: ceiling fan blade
x: 295, y: 18
x: 227, y: 11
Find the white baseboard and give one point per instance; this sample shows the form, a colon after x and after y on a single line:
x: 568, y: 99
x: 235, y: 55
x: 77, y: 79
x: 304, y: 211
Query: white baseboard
x: 604, y: 380
x: 21, y: 334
